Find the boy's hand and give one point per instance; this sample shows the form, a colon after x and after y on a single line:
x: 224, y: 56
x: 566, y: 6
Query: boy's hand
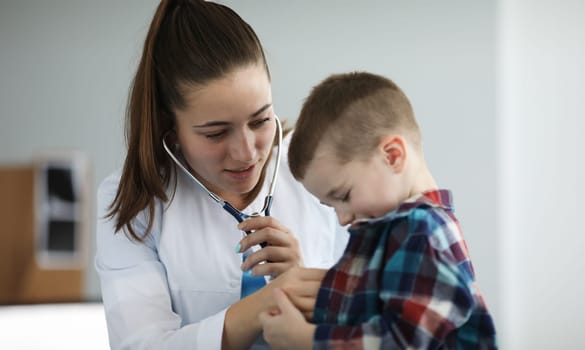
x: 286, y: 328
x: 300, y: 285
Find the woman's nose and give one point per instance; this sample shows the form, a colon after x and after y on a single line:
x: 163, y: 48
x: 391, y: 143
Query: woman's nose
x: 243, y: 147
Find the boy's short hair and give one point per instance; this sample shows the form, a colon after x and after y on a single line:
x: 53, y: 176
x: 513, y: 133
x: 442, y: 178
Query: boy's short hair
x: 351, y: 111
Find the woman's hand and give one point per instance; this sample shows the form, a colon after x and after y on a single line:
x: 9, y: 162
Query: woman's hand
x: 242, y: 323
x: 281, y: 253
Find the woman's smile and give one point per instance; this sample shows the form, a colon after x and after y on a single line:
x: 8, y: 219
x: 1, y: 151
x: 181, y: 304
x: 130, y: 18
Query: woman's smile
x: 241, y: 173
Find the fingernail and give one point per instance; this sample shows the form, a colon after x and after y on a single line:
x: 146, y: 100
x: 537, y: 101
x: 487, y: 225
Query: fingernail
x: 240, y: 225
x: 238, y: 248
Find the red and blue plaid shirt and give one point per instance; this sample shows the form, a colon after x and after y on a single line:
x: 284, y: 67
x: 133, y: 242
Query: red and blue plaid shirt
x: 404, y: 281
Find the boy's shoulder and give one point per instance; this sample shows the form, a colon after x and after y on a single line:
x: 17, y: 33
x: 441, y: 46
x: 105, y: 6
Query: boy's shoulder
x: 429, y: 214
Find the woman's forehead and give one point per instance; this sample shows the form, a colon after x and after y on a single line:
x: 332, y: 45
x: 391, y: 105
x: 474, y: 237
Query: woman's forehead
x: 240, y: 93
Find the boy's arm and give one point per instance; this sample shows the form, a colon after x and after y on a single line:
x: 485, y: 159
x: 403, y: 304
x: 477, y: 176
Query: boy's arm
x: 285, y: 327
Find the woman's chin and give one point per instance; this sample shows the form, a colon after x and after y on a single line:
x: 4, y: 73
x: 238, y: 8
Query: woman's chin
x: 244, y: 186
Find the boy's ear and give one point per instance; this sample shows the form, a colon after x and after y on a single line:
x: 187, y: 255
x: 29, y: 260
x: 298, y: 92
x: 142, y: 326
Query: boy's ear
x: 394, y: 149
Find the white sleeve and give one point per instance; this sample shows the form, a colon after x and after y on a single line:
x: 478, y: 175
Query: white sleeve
x: 135, y: 292
x: 341, y: 238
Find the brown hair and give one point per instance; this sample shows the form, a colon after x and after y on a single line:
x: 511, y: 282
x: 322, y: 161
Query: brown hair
x: 189, y: 43
x: 351, y: 112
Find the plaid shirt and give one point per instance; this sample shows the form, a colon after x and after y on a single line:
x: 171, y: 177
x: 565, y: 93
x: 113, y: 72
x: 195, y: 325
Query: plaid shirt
x: 405, y: 281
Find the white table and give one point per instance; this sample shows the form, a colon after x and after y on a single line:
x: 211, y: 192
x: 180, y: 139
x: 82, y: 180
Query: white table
x: 53, y: 327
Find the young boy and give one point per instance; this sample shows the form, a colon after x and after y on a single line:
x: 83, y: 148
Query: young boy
x: 405, y: 279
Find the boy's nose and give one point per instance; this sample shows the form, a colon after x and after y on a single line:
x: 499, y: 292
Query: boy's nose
x: 344, y: 217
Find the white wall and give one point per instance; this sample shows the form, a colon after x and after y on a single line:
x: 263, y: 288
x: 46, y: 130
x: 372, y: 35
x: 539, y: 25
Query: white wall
x: 65, y: 69
x: 498, y: 88
x: 541, y: 94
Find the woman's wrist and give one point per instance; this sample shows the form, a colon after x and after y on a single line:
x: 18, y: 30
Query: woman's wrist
x: 241, y: 324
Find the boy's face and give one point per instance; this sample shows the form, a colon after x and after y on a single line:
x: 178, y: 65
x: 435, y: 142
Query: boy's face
x: 360, y: 189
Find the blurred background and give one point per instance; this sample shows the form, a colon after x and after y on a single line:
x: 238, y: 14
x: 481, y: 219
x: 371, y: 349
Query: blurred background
x: 498, y: 88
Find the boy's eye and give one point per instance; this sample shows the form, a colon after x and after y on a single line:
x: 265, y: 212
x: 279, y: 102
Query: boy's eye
x: 345, y: 197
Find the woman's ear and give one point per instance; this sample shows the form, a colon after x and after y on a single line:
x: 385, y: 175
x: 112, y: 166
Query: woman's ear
x: 394, y: 149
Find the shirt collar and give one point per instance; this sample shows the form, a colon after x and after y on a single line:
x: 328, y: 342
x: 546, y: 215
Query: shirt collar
x: 440, y: 198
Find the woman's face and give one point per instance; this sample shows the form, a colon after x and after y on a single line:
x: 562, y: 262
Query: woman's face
x: 227, y: 130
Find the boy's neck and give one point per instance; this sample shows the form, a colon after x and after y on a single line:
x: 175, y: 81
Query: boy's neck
x: 423, y: 180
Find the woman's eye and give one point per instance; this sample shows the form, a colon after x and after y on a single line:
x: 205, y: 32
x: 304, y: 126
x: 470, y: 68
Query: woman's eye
x: 215, y: 135
x: 259, y: 123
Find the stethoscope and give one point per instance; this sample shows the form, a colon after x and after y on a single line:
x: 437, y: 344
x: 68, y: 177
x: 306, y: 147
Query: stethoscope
x: 237, y: 214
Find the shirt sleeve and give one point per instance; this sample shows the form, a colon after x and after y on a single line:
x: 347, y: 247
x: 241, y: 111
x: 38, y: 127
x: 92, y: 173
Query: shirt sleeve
x: 135, y: 292
x: 341, y: 239
x: 425, y: 292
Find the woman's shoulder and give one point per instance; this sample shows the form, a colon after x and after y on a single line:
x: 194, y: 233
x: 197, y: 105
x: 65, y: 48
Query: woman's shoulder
x: 106, y: 194
x: 110, y: 183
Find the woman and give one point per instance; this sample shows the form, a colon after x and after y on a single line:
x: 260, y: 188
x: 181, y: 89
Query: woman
x: 165, y: 250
